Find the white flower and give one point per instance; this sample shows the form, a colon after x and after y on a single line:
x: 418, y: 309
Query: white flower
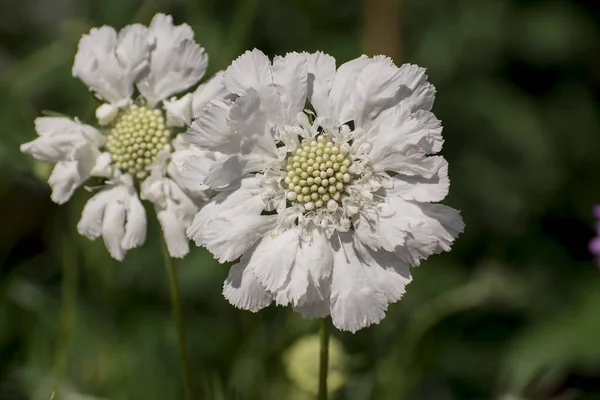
x: 139, y: 143
x: 328, y: 207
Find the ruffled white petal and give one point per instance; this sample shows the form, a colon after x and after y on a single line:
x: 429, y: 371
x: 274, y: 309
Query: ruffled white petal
x: 73, y: 146
x: 356, y: 301
x: 378, y: 88
x: 205, y: 93
x: 225, y: 172
x: 109, y: 64
x: 385, y: 270
x: 181, y: 112
x: 272, y: 260
x: 178, y: 111
x: 116, y: 214
x: 321, y: 71
x: 245, y: 199
x: 400, y: 129
x: 243, y: 290
x: 290, y: 75
x: 384, y: 226
x: 228, y: 237
x: 230, y: 222
x: 418, y: 93
x: 189, y: 166
x: 174, y: 209
x: 342, y: 87
x: 308, y: 281
x: 422, y: 189
x: 433, y: 229
x: 59, y: 138
x: 65, y: 178
x: 253, y: 70
x: 176, y: 62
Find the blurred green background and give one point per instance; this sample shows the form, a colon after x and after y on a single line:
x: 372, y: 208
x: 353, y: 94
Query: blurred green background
x: 513, y: 312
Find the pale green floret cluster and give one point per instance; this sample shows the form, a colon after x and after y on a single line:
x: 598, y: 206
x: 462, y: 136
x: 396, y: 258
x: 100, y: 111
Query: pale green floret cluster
x: 316, y: 174
x: 135, y: 139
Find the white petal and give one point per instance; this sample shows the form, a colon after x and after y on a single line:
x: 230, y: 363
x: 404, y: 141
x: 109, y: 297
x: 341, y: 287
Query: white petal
x: 135, y: 227
x: 421, y: 93
x: 243, y: 290
x: 205, y: 93
x: 377, y: 89
x: 90, y: 224
x: 176, y: 61
x: 248, y: 120
x: 227, y: 171
x: 65, y: 178
x: 309, y: 277
x: 117, y: 214
x: 109, y: 65
x: 343, y: 85
x: 385, y: 226
x: 411, y: 161
x: 423, y: 189
x: 175, y: 211
x: 356, y: 302
x: 385, y: 270
x: 321, y: 71
x: 102, y: 166
x: 189, y: 170
x: 243, y: 200
x: 113, y: 229
x: 178, y: 111
x: 290, y: 76
x: 211, y: 131
x: 181, y: 112
x: 132, y: 52
x: 229, y: 237
x: 253, y: 70
x: 433, y: 229
x: 272, y: 259
x: 59, y: 138
x: 401, y: 128
x: 174, y: 233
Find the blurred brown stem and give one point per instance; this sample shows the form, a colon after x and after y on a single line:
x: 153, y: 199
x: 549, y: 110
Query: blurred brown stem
x: 382, y: 28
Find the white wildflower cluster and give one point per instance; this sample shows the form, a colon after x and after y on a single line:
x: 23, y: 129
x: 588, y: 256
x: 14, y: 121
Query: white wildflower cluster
x: 320, y: 182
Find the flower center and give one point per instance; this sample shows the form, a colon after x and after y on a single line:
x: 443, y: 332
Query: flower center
x: 135, y: 139
x: 316, y: 174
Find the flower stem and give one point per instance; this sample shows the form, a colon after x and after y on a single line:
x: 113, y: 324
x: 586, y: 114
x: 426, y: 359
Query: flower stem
x: 67, y: 311
x: 324, y: 359
x: 178, y: 319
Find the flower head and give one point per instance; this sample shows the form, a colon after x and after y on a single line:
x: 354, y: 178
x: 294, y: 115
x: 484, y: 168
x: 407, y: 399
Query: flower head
x: 138, y: 141
x: 328, y: 184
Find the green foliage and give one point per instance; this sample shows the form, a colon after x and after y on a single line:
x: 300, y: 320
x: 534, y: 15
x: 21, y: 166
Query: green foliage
x: 511, y: 313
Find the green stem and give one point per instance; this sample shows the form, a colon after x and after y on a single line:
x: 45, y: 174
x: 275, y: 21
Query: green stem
x: 178, y: 319
x: 68, y: 308
x: 324, y: 359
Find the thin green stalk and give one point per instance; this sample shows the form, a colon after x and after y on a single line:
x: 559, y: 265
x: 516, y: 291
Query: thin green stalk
x: 324, y: 359
x: 68, y: 308
x: 178, y: 319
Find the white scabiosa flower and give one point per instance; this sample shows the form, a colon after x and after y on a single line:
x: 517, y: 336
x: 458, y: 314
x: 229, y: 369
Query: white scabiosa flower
x: 137, y: 144
x: 328, y: 184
